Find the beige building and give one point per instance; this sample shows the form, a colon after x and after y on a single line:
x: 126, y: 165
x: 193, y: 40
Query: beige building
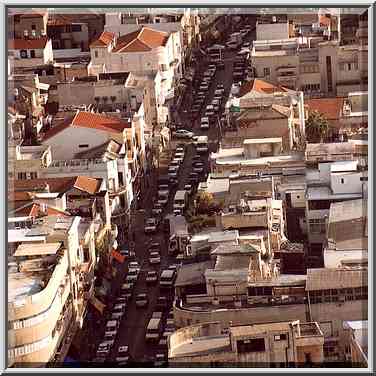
x: 31, y: 23
x: 50, y: 284
x: 312, y: 65
x: 280, y: 344
x: 30, y: 52
x: 143, y: 51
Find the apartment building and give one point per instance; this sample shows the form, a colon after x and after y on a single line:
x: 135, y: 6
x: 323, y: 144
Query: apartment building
x: 347, y: 234
x: 31, y: 23
x: 51, y: 268
x: 327, y: 296
x: 30, y: 52
x: 186, y: 22
x: 258, y: 156
x: 144, y: 51
x: 280, y: 344
x: 331, y: 182
x: 66, y: 34
x: 312, y: 65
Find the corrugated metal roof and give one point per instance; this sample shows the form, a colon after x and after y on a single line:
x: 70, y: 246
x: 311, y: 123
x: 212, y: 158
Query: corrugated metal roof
x: 324, y: 279
x: 28, y: 249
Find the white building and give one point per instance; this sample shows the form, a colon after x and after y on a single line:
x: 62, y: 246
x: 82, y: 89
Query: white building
x: 142, y: 51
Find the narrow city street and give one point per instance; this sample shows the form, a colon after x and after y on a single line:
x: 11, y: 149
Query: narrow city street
x: 133, y: 325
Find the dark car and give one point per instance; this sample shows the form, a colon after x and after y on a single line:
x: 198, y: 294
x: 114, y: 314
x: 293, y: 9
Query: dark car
x: 193, y: 178
x: 162, y: 303
x: 220, y: 65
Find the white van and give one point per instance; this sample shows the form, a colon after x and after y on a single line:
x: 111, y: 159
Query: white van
x: 167, y: 278
x: 153, y: 330
x: 202, y: 144
x: 180, y: 200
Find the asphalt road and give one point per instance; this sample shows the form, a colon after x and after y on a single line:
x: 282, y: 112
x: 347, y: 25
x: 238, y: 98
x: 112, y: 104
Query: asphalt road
x: 133, y: 326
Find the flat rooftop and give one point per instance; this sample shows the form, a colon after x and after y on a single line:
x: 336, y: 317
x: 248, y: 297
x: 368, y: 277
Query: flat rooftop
x: 325, y: 193
x: 202, y: 346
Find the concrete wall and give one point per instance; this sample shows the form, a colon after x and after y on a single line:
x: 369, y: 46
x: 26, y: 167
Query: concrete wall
x: 272, y: 31
x: 346, y: 183
x: 242, y: 316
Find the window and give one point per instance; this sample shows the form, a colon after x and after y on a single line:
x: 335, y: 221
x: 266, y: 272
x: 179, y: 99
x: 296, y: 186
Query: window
x: 23, y: 54
x: 342, y: 181
x: 83, y: 146
x: 266, y: 71
x: 280, y: 337
x: 76, y: 28
x: 32, y: 53
x: 349, y: 66
x: 251, y: 345
x: 33, y: 27
x: 22, y: 175
x: 364, y: 178
x: 33, y: 175
x: 96, y: 54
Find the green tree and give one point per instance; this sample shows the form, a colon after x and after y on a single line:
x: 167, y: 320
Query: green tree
x: 317, y: 127
x: 204, y: 202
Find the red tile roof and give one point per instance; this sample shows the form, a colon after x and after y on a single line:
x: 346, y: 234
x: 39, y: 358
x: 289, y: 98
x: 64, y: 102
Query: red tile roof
x: 260, y: 86
x: 27, y: 44
x: 89, y: 120
x: 331, y: 108
x: 104, y: 39
x: 86, y: 184
x: 56, y: 185
x: 142, y: 40
x: 100, y: 122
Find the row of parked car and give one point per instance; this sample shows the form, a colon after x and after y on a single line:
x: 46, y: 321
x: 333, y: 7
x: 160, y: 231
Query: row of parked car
x: 212, y: 110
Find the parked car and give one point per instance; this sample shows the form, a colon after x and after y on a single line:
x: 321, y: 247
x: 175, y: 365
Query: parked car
x: 122, y: 355
x: 132, y: 275
x: 188, y: 188
x: 160, y: 360
x: 142, y: 300
x: 151, y: 277
x: 157, y: 209
x: 150, y: 225
x: 204, y: 123
x: 127, y: 253
x: 216, y: 104
x: 209, y: 110
x: 127, y: 290
x: 162, y: 304
x: 220, y: 65
x: 134, y: 265
x: 183, y: 133
x: 154, y: 258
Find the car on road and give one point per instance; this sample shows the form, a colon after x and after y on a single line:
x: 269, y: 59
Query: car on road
x: 162, y: 199
x: 104, y: 349
x: 155, y: 245
x: 154, y: 258
x: 177, y: 211
x: 142, y: 300
x: 179, y: 157
x: 119, y: 308
x: 132, y: 275
x: 122, y: 357
x: 151, y: 277
x: 162, y: 304
x: 174, y: 267
x: 193, y: 177
x: 204, y: 123
x: 134, y: 265
x: 188, y: 188
x: 216, y: 104
x: 160, y: 360
x: 204, y: 87
x: 183, y: 133
x: 209, y: 110
x: 157, y: 208
x: 174, y: 181
x: 198, y: 167
x: 151, y: 225
x: 173, y: 173
x: 127, y: 290
x: 220, y: 87
x: 127, y: 253
x: 246, y: 45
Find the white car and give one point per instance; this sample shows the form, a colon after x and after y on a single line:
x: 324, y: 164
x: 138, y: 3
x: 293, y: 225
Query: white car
x: 209, y: 111
x: 151, y: 277
x: 216, y: 104
x: 150, y: 225
x: 132, y: 275
x: 154, y: 258
x: 123, y: 355
x: 134, y: 265
x: 183, y: 133
x: 204, y: 123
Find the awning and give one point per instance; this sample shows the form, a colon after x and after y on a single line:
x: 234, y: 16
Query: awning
x: 97, y: 304
x: 43, y: 86
x: 117, y: 256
